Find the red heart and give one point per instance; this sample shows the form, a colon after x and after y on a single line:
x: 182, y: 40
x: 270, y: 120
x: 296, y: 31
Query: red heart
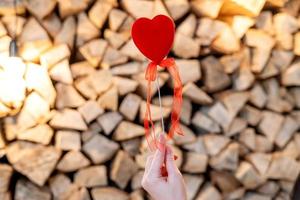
x: 154, y: 38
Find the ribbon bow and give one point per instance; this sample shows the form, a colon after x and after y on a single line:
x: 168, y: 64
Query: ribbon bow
x: 150, y: 76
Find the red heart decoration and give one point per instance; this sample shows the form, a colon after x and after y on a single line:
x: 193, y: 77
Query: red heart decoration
x: 154, y: 37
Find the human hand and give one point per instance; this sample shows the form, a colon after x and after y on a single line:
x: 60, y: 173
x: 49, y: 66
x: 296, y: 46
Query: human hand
x: 172, y: 186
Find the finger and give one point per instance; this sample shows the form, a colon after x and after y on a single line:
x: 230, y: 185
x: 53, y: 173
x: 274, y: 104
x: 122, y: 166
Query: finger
x: 148, y: 164
x: 158, y: 160
x: 170, y: 163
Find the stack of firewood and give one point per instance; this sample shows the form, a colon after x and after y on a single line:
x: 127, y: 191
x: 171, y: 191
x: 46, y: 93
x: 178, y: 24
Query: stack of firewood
x: 77, y: 133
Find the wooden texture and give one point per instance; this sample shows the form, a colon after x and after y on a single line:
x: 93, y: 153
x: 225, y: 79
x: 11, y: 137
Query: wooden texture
x: 72, y: 106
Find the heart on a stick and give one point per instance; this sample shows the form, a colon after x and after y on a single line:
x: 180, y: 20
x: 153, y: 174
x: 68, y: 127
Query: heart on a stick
x: 154, y: 37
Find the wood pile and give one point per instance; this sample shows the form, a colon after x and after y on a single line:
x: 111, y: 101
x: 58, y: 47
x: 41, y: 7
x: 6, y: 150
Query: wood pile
x: 71, y: 127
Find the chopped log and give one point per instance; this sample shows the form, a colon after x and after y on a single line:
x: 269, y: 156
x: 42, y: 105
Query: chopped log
x: 42, y: 133
x: 188, y: 137
x: 123, y: 168
x: 177, y: 8
x: 72, y: 161
x: 234, y: 101
x: 260, y: 161
x: 61, y: 72
x: 109, y: 100
x: 231, y: 62
x: 112, y: 57
x: 207, y: 8
x: 68, y: 119
x: 263, y: 144
x: 81, y: 194
x: 193, y: 183
x: 34, y: 40
x: 185, y: 46
x: 202, y: 121
x: 265, y: 22
x: 195, y: 163
x: 99, y: 13
x: 67, y: 140
x: 136, y: 181
x: 36, y: 162
x: 116, y: 18
x: 61, y: 187
x: 297, y: 44
x: 284, y: 21
x: 54, y: 55
x: 52, y: 24
x: 239, y: 24
x: 208, y: 30
x: 80, y: 69
x: 188, y: 26
x: 130, y: 106
x: 288, y: 129
x: 251, y: 115
x: 38, y: 9
x: 283, y: 167
x: 85, y: 30
x: 71, y: 7
x: 186, y: 112
x: 100, y: 149
x: 239, y: 7
x: 215, y: 77
x: 225, y: 181
x: 236, y: 126
x: 27, y: 190
x: 6, y: 174
x: 209, y: 192
x: 191, y: 75
x: 247, y: 137
x: 116, y: 40
x: 215, y: 143
x: 93, y: 51
x: 226, y: 42
x: 31, y: 115
x: 227, y: 159
x: 248, y: 176
x: 90, y: 111
x: 196, y: 95
x: 132, y: 146
x: 271, y: 124
x: 124, y: 85
x: 106, y: 193
x: 270, y: 188
x: 155, y: 111
x: 221, y: 115
x: 12, y: 27
x: 254, y: 37
x: 237, y: 194
x: 258, y: 96
x: 197, y: 146
x: 85, y: 87
x: 138, y: 8
x: 127, y: 130
x: 101, y: 81
x: 256, y: 196
x: 290, y: 76
x: 3, y: 31
x: 130, y: 50
x: 94, y: 176
x: 108, y: 121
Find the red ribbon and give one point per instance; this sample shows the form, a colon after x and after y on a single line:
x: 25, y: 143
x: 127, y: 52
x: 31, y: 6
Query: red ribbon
x: 150, y: 76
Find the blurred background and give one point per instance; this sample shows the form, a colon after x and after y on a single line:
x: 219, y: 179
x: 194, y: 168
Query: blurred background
x: 72, y: 98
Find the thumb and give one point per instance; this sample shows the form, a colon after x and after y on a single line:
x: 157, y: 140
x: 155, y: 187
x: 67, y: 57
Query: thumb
x: 158, y: 159
x: 170, y: 163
